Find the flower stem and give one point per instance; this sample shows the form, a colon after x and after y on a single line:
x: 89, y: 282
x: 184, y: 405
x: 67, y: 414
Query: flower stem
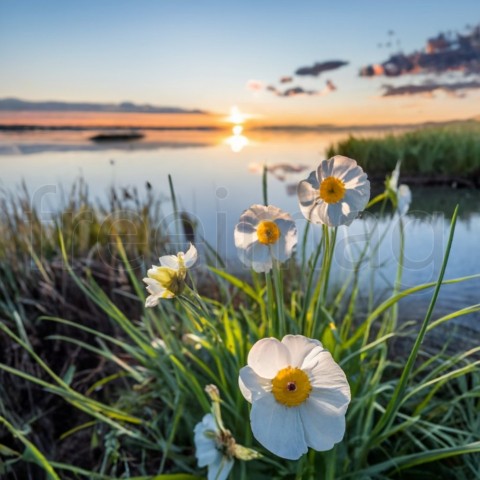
x: 280, y: 302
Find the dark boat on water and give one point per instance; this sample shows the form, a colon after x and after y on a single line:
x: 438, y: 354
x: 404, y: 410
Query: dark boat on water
x: 117, y: 136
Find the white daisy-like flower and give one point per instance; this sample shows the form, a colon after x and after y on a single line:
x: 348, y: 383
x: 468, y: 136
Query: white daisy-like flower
x: 402, y: 191
x: 335, y: 193
x: 212, y: 448
x: 168, y: 280
x: 299, y: 395
x: 263, y: 234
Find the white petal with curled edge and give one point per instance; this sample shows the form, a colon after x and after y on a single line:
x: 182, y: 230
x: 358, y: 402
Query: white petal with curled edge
x: 252, y: 385
x: 278, y: 428
x: 299, y: 347
x: 191, y: 256
x: 267, y: 357
x: 323, y: 425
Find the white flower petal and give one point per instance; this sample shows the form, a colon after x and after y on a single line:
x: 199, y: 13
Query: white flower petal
x: 307, y: 191
x: 317, y: 213
x: 221, y: 469
x: 357, y: 198
x: 261, y: 260
x: 170, y: 261
x: 282, y: 249
x: 151, y: 301
x: 334, y: 215
x: 267, y: 357
x: 278, y: 428
x: 336, y: 400
x: 252, y: 385
x: 404, y: 198
x: 255, y: 214
x: 190, y: 257
x: 245, y: 234
x: 393, y: 182
x: 324, y: 372
x: 322, y: 425
x: 156, y: 290
x: 299, y: 348
x: 206, y: 452
x: 205, y: 447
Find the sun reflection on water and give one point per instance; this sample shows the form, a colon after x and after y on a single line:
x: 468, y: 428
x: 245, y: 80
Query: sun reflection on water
x: 237, y: 141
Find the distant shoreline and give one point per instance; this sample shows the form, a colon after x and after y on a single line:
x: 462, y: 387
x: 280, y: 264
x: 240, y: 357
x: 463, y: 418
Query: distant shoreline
x: 267, y: 128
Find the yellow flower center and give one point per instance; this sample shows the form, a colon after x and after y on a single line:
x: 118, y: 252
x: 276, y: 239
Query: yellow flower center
x: 291, y: 386
x: 268, y: 232
x: 332, y: 190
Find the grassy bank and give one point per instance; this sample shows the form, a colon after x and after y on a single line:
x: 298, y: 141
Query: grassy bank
x: 435, y: 155
x: 96, y: 386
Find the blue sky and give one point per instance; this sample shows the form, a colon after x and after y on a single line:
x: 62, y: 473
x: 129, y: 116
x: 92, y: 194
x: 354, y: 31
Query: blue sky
x: 200, y: 54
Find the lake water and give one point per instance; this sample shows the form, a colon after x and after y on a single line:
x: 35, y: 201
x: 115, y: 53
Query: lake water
x: 216, y: 176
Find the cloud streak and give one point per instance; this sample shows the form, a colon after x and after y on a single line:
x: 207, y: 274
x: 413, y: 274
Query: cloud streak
x: 430, y: 88
x: 317, y: 68
x: 300, y: 91
x: 16, y: 105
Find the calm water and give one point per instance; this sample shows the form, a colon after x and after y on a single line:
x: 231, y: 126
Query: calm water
x: 217, y: 176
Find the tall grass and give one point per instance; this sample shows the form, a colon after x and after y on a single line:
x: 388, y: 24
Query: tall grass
x: 410, y: 417
x: 452, y: 150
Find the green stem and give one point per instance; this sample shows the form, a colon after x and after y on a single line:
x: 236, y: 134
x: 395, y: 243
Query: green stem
x: 270, y: 304
x: 278, y: 285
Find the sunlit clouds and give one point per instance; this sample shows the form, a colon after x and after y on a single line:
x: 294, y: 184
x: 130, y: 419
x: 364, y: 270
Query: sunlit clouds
x: 452, y: 56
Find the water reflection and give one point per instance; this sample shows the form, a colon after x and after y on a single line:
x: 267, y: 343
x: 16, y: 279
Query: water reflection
x: 237, y: 141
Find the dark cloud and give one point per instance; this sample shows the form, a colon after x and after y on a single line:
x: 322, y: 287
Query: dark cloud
x: 295, y: 91
x: 443, y: 53
x: 319, y: 67
x: 300, y: 91
x: 430, y: 88
x: 286, y: 79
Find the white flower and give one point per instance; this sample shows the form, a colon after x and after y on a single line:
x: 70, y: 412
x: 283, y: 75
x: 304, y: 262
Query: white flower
x: 168, y: 280
x: 263, y: 234
x: 334, y: 194
x: 299, y: 395
x: 211, y: 450
x: 402, y: 192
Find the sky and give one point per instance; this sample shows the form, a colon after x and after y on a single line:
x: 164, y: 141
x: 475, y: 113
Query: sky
x: 201, y: 54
